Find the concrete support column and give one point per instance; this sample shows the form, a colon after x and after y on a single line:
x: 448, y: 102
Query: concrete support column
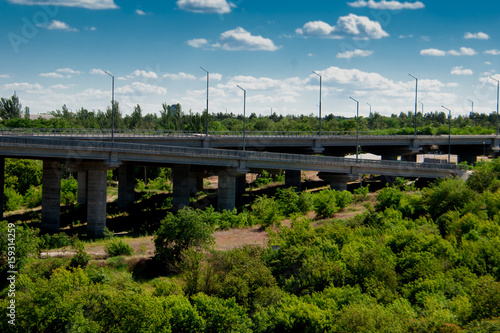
x: 51, y: 195
x: 82, y: 187
x: 2, y: 182
x: 226, y: 191
x: 337, y: 181
x: 241, y: 185
x: 195, y: 182
x: 293, y: 179
x: 181, y: 186
x: 96, y: 200
x: 126, y: 183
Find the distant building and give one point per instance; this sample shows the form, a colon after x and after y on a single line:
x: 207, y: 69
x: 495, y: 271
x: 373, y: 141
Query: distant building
x: 437, y: 158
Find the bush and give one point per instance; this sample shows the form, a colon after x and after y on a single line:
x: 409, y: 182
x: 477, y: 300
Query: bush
x: 81, y: 258
x: 325, y: 203
x: 69, y: 190
x: 179, y: 232
x: 117, y: 247
x: 13, y: 200
x: 266, y: 210
x: 33, y: 197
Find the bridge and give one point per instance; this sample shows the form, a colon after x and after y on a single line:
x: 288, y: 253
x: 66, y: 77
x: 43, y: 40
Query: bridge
x: 340, y: 144
x: 92, y: 155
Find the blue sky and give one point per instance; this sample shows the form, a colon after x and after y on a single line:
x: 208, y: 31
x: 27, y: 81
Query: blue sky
x: 55, y: 52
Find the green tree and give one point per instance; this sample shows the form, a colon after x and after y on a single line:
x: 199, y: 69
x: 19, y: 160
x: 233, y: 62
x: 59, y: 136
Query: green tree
x: 10, y: 108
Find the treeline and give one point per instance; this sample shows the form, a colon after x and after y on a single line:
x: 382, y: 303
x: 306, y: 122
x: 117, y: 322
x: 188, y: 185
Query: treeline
x: 172, y: 117
x: 416, y: 260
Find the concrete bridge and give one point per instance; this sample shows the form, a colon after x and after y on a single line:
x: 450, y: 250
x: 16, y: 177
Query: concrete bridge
x: 467, y: 147
x: 92, y: 159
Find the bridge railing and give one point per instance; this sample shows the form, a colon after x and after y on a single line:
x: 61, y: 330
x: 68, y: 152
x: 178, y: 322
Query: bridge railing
x: 220, y: 153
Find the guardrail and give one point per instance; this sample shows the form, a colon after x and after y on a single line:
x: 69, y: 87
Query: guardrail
x: 220, y: 153
x: 106, y: 133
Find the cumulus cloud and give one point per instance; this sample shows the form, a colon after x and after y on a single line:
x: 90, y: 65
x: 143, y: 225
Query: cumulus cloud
x: 4, y: 76
x: 478, y: 35
x: 355, y: 53
x: 97, y: 71
x: 145, y: 74
x: 360, y: 27
x: 197, y: 42
x: 140, y: 88
x: 179, y: 76
x: 241, y: 40
x: 140, y: 12
x: 57, y: 25
x: 52, y: 75
x: 68, y: 71
x: 492, y: 52
x: 460, y: 70
x: 24, y: 86
x: 391, y: 5
x: 88, y: 4
x: 440, y: 53
x: 205, y: 6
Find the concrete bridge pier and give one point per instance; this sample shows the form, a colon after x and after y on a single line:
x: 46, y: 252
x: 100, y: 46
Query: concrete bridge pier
x: 96, y: 198
x: 337, y: 181
x: 51, y: 195
x: 181, y: 182
x: 195, y: 182
x: 292, y: 179
x: 126, y: 184
x: 241, y: 185
x: 228, y: 188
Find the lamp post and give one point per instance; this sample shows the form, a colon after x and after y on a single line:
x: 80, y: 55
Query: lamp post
x: 208, y: 79
x: 357, y: 127
x: 449, y: 133
x: 498, y: 92
x: 416, y: 99
x: 320, y: 88
x: 370, y: 108
x: 271, y: 110
x: 112, y: 106
x: 244, y: 113
x: 422, y: 107
x: 472, y: 105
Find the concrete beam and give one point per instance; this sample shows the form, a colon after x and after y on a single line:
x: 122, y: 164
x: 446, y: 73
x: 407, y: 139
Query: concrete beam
x: 126, y: 183
x: 51, y: 195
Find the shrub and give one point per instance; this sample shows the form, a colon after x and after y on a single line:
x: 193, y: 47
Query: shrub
x: 81, y: 258
x: 325, y: 203
x: 179, y: 232
x: 117, y: 247
x: 13, y: 200
x: 33, y: 197
x: 266, y: 210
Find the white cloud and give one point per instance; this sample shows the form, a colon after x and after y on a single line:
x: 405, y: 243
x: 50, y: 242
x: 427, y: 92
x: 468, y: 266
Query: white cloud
x: 145, y: 74
x: 52, y: 75
x: 360, y: 27
x: 139, y: 88
x: 4, y: 76
x: 460, y: 70
x: 197, y: 42
x: 179, y: 76
x: 433, y: 52
x: 57, y: 25
x: 67, y: 71
x: 492, y: 52
x: 88, y: 4
x: 405, y: 36
x: 140, y: 12
x: 241, y: 40
x: 205, y: 6
x: 478, y: 35
x: 59, y: 87
x: 24, y: 86
x: 487, y: 63
x: 355, y: 53
x: 391, y: 5
x: 97, y: 71
x: 439, y: 53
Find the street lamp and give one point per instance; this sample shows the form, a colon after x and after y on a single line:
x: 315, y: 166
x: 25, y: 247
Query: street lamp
x: 112, y: 106
x: 449, y: 133
x: 271, y: 110
x: 416, y: 99
x: 472, y: 105
x: 370, y: 109
x: 320, y: 87
x: 208, y: 78
x: 244, y: 112
x: 498, y: 91
x: 357, y: 127
x: 422, y: 107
